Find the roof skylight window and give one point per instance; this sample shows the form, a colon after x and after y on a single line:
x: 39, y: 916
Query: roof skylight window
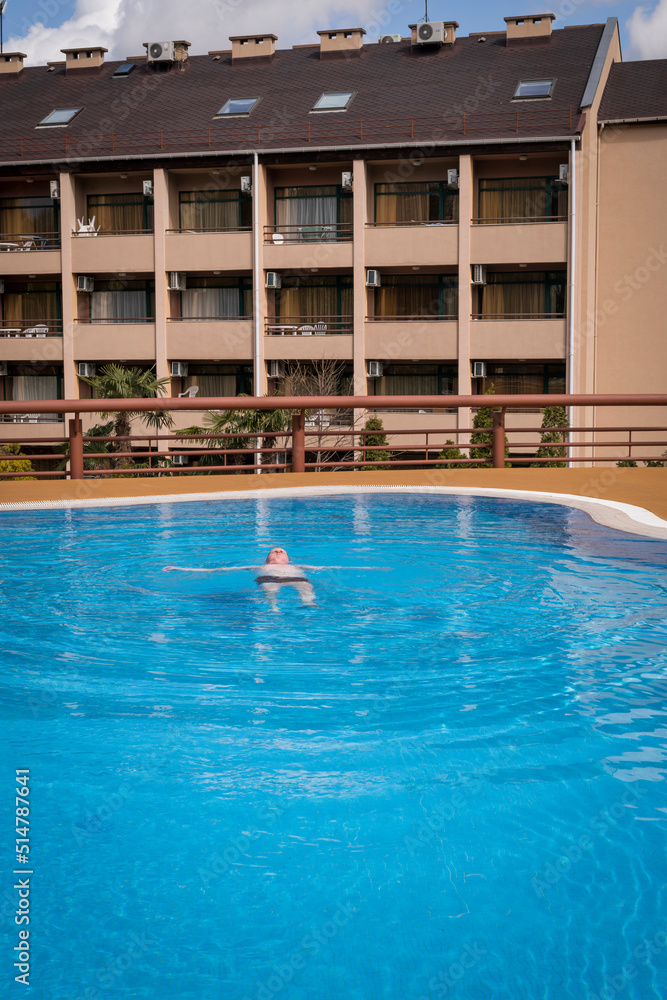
x: 60, y: 116
x: 534, y: 88
x: 124, y: 69
x: 333, y: 102
x: 238, y: 106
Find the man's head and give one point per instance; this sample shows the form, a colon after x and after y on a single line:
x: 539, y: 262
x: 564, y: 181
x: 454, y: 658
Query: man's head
x: 277, y: 555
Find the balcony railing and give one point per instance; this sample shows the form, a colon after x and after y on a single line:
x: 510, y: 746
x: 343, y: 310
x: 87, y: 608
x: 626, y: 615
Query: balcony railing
x: 518, y: 220
x: 414, y: 318
x: 113, y: 232
x: 518, y: 316
x: 32, y: 418
x: 32, y: 328
x: 13, y: 242
x: 208, y: 319
x: 349, y: 449
x: 228, y: 229
x: 308, y: 326
x: 412, y: 222
x: 115, y: 321
x: 330, y: 232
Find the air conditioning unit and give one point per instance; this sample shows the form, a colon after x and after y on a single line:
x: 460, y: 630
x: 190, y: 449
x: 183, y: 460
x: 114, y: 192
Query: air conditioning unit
x: 148, y: 189
x: 453, y: 176
x: 563, y: 171
x: 160, y: 52
x: 479, y: 274
x: 390, y: 38
x: 246, y: 185
x: 85, y: 370
x: 276, y: 369
x: 179, y: 369
x: 479, y: 369
x: 273, y: 280
x: 374, y: 369
x: 431, y: 33
x: 4, y: 368
x: 180, y: 459
x: 373, y: 279
x: 54, y: 189
x: 346, y: 180
x: 84, y: 284
x: 177, y: 281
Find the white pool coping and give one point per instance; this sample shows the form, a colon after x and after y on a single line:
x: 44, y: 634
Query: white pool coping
x: 611, y: 513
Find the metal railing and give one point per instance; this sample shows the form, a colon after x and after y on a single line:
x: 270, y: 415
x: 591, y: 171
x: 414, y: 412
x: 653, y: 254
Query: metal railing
x: 518, y: 220
x: 308, y: 326
x: 518, y: 315
x: 324, y: 129
x: 414, y: 318
x: 208, y: 229
x: 329, y: 232
x: 300, y: 448
x: 115, y: 322
x: 12, y: 242
x: 113, y: 232
x: 412, y: 222
x: 32, y: 328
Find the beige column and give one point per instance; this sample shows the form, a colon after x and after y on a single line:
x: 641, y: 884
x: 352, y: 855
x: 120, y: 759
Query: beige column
x: 69, y: 306
x: 360, y: 293
x: 161, y: 223
x: 465, y: 287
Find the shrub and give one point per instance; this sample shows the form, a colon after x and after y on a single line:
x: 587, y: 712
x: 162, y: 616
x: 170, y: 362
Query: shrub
x: 374, y: 444
x: 15, y: 464
x: 482, y: 438
x: 553, y: 440
x: 450, y: 453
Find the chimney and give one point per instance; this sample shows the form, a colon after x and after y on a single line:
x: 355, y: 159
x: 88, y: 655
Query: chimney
x: 529, y: 26
x: 341, y: 39
x: 84, y: 58
x: 450, y: 31
x: 245, y: 46
x: 12, y: 62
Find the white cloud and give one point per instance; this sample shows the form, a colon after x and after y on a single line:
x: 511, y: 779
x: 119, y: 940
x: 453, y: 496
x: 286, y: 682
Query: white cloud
x: 123, y: 25
x: 647, y: 30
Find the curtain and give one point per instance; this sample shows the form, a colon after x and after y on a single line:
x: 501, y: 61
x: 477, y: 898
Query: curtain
x: 120, y: 213
x: 28, y: 387
x: 24, y: 216
x: 216, y: 213
x: 521, y: 198
x: 28, y: 307
x: 214, y: 385
x: 409, y: 385
x: 404, y: 295
x: 313, y: 301
x: 118, y: 306
x: 514, y: 296
x: 402, y: 203
x: 518, y: 383
x: 312, y: 206
x: 210, y: 303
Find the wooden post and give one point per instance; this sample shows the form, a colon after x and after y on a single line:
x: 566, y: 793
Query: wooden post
x: 299, y: 442
x: 498, y: 444
x: 76, y: 448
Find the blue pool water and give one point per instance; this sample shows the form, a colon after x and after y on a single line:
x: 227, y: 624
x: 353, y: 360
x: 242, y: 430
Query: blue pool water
x: 447, y: 780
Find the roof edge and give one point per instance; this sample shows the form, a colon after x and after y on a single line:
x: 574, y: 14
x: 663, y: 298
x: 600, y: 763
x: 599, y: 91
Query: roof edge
x: 595, y: 74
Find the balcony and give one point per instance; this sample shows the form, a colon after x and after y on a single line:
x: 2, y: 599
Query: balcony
x: 205, y: 249
x: 412, y: 244
x: 316, y: 338
x: 210, y: 339
x: 112, y: 252
x: 127, y: 341
x: 30, y: 341
x: 295, y: 247
x: 525, y: 337
x: 37, y: 253
x: 506, y: 241
x: 410, y: 338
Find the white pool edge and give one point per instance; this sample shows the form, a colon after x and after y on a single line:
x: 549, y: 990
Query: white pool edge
x: 611, y: 513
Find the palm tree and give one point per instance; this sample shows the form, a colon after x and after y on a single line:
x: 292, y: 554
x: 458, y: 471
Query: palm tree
x: 119, y: 382
x: 258, y: 422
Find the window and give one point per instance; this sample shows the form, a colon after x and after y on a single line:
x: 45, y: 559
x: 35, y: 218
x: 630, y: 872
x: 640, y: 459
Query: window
x: 522, y: 198
x: 121, y: 213
x: 316, y: 298
x: 125, y: 69
x: 27, y: 304
x: 430, y: 201
x: 214, y: 210
x: 432, y: 296
x: 27, y: 216
x: 523, y: 295
x: 238, y: 106
x: 525, y: 378
x: 220, y: 380
x: 534, y: 88
x: 122, y: 302
x: 217, y: 298
x: 417, y: 380
x: 61, y: 116
x: 333, y: 102
x: 316, y: 205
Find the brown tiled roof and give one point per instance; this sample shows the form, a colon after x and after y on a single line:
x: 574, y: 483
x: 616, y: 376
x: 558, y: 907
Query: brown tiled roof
x: 401, y: 92
x: 635, y: 90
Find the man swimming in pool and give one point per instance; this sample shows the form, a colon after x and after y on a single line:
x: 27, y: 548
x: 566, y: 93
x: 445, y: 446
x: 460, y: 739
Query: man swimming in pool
x: 275, y: 573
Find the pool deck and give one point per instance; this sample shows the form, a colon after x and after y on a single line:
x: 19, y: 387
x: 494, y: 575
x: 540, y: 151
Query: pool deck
x: 641, y: 488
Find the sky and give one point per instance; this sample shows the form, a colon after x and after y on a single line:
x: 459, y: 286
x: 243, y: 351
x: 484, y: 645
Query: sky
x: 40, y: 28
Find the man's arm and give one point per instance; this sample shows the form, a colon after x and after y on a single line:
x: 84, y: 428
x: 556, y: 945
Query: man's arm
x: 214, y: 569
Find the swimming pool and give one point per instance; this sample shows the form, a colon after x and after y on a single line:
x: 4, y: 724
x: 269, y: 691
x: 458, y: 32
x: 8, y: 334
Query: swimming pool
x: 447, y: 780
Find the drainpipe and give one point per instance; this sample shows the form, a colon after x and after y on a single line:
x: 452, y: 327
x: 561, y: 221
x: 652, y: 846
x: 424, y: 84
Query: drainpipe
x: 256, y: 284
x: 571, y: 289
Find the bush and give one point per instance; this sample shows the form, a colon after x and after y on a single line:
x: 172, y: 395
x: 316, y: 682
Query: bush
x: 374, y: 444
x: 450, y: 453
x: 554, y: 416
x: 482, y: 438
x: 16, y: 464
